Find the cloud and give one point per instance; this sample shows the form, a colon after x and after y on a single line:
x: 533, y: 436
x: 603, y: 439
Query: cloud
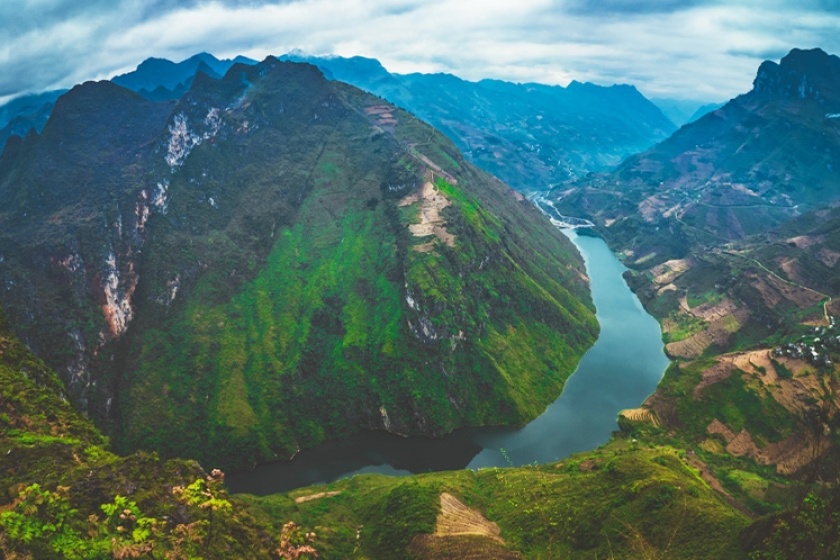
x: 625, y: 7
x: 706, y: 49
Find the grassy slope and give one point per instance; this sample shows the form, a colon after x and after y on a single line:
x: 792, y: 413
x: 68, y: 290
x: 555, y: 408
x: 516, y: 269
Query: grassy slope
x: 57, y: 473
x: 321, y: 336
x: 622, y: 501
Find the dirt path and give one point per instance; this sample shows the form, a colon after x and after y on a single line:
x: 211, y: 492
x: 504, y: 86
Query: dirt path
x: 715, y: 484
x: 318, y: 496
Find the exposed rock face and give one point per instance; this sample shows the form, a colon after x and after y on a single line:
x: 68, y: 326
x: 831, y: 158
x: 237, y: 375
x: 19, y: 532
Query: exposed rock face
x: 75, y: 194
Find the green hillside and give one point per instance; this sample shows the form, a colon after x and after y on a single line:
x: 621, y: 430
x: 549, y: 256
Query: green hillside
x: 65, y: 495
x: 275, y: 260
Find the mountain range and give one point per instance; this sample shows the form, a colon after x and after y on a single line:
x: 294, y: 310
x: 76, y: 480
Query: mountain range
x: 275, y: 259
x: 532, y: 136
x: 245, y: 261
x: 763, y: 158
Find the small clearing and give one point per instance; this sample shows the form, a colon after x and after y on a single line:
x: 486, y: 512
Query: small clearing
x: 669, y: 271
x: 382, y: 115
x: 640, y: 415
x: 805, y: 241
x: 456, y: 519
x: 431, y: 220
x: 316, y: 496
x: 828, y: 257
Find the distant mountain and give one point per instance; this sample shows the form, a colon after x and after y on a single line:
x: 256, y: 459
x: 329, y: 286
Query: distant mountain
x: 704, y: 110
x: 20, y: 115
x: 530, y: 135
x: 156, y: 79
x: 763, y: 158
x: 275, y: 259
x: 683, y: 111
x: 160, y: 79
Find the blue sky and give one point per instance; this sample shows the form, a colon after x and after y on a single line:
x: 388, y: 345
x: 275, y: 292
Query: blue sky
x: 684, y: 49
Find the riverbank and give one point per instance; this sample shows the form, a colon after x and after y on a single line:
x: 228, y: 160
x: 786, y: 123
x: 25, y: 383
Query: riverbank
x: 619, y: 371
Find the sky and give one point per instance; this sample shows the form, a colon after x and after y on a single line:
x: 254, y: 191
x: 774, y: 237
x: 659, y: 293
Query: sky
x: 705, y: 50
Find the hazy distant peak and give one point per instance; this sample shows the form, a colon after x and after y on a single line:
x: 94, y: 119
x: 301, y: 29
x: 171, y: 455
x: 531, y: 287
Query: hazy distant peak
x: 804, y: 74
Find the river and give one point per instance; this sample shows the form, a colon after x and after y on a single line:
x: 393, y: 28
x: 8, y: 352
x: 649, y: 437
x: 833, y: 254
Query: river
x: 621, y: 369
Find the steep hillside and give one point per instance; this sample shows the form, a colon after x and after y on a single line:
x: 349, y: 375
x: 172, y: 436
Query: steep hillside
x: 274, y: 260
x: 731, y: 229
x: 20, y: 115
x: 532, y: 136
x: 765, y: 157
x: 63, y: 494
x: 624, y: 501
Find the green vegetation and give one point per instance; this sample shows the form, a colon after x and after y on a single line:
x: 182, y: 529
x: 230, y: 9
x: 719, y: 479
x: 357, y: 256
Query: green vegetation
x: 739, y: 406
x: 65, y: 495
x: 622, y: 501
x: 265, y: 293
x: 328, y: 316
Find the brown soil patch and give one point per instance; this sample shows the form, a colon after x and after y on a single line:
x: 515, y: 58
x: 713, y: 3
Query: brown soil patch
x: 805, y: 241
x: 317, y: 496
x: 461, y: 547
x: 721, y: 324
x: 774, y: 290
x: 641, y: 415
x: 666, y: 288
x: 669, y: 271
x: 455, y: 518
x: 431, y: 219
x: 796, y: 394
x: 723, y: 369
x: 788, y: 455
x: 665, y: 409
x: 461, y: 533
x: 381, y: 115
x: 651, y: 207
x: 828, y: 257
x: 714, y: 311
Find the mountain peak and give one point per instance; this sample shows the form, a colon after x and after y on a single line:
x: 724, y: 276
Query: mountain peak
x: 802, y: 73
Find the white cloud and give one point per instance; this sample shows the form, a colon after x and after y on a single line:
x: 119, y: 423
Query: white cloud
x: 700, y: 49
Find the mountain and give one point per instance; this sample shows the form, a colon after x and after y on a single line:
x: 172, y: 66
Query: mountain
x: 763, y: 158
x: 20, y: 115
x: 155, y: 78
x: 66, y: 495
x: 730, y: 230
x: 160, y: 79
x: 276, y: 259
x: 684, y: 111
x: 27, y: 105
x: 704, y: 110
x: 531, y: 136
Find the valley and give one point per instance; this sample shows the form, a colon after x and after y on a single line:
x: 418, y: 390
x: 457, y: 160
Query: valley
x: 262, y: 258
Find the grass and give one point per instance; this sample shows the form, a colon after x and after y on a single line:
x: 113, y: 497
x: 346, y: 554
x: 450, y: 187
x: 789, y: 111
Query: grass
x: 620, y: 501
x: 262, y: 356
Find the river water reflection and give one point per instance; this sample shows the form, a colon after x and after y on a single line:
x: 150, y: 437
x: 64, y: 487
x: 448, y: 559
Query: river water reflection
x: 621, y: 369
